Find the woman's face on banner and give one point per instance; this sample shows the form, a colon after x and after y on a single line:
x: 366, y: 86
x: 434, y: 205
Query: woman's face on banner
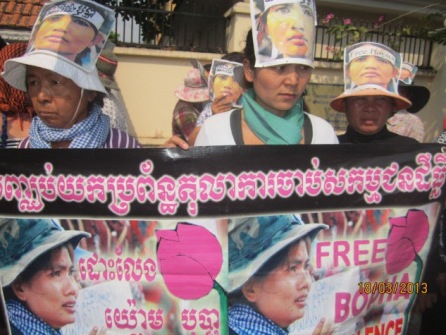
x: 65, y: 34
x: 371, y: 70
x: 226, y: 85
x: 51, y: 294
x: 290, y: 27
x: 282, y: 295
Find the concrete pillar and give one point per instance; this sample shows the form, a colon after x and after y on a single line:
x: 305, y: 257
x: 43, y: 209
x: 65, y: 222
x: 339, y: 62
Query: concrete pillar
x: 238, y: 26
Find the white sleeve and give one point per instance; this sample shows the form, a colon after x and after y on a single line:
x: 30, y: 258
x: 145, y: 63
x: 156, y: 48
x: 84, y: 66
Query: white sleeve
x: 323, y: 132
x: 216, y: 130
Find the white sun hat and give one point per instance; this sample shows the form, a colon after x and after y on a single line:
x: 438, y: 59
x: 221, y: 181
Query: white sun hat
x: 47, y: 51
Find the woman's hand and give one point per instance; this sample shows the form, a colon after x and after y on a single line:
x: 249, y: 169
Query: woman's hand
x: 221, y: 104
x: 323, y: 327
x: 176, y: 141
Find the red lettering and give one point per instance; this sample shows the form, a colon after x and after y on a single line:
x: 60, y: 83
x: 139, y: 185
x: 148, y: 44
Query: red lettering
x: 379, y: 250
x: 341, y: 249
x: 342, y: 310
x: 357, y: 252
x: 320, y: 254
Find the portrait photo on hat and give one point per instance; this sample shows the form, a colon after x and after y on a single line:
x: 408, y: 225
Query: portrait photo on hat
x: 74, y: 29
x: 371, y: 69
x: 408, y: 72
x: 252, y: 241
x: 194, y: 87
x: 283, y: 31
x: 418, y: 95
x: 67, y: 38
x: 226, y: 78
x: 369, y: 63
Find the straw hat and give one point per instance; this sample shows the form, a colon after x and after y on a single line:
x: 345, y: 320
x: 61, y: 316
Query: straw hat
x: 254, y: 240
x: 23, y: 240
x: 369, y: 86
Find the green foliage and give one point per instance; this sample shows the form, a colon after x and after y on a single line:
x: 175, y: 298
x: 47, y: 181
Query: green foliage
x: 347, y: 32
x: 149, y: 14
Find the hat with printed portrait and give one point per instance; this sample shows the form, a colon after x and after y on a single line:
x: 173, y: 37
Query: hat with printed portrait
x: 418, y: 95
x: 283, y: 31
x: 371, y: 69
x: 56, y: 49
x: 23, y: 240
x: 254, y: 240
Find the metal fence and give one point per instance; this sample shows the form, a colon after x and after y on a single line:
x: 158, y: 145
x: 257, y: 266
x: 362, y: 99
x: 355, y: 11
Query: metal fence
x: 195, y: 31
x: 201, y: 31
x: 414, y: 49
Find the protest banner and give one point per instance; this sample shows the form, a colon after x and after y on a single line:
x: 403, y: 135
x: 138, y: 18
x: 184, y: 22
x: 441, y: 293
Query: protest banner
x: 158, y: 258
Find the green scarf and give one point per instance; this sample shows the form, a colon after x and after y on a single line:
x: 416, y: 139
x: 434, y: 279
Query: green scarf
x: 270, y: 128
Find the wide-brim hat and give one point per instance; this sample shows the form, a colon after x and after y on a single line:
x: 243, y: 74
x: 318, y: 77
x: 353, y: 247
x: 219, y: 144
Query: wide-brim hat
x: 418, y: 95
x: 400, y: 102
x: 23, y: 240
x: 15, y: 70
x: 254, y: 240
x: 194, y: 89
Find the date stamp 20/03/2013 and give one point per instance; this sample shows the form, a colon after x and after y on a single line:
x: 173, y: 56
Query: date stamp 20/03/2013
x: 392, y: 288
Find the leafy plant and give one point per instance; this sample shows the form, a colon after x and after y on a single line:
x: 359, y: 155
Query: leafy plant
x: 348, y: 31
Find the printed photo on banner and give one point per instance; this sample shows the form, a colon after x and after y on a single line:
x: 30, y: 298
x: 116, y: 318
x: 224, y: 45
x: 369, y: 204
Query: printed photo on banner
x: 369, y: 63
x: 343, y: 240
x: 369, y: 268
x: 226, y: 79
x: 76, y: 30
x: 119, y: 276
x: 283, y: 31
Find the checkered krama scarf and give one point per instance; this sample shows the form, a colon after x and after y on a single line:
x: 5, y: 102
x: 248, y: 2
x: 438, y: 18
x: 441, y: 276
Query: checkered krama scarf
x: 11, y: 99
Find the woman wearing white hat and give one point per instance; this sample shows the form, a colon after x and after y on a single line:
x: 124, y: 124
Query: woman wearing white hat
x: 38, y: 275
x: 270, y: 274
x: 66, y: 96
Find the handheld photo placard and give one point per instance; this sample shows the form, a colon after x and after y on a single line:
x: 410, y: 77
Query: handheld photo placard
x: 283, y: 31
x: 76, y: 30
x: 226, y: 79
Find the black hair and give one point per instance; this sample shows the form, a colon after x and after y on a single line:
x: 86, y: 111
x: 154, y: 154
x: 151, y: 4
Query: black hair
x: 249, y: 52
x: 277, y: 260
x: 234, y: 56
x: 41, y: 263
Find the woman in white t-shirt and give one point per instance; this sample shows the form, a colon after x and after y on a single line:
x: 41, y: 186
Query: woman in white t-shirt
x: 272, y: 110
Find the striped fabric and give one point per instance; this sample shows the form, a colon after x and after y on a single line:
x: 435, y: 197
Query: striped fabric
x: 116, y: 139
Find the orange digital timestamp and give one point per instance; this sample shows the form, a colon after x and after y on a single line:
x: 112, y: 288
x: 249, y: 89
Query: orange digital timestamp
x: 392, y: 287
